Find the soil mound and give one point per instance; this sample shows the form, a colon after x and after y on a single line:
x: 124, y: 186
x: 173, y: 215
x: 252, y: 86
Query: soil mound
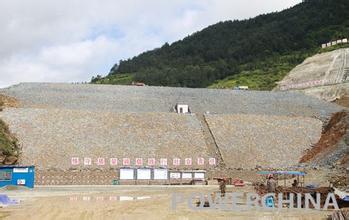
x: 332, y: 147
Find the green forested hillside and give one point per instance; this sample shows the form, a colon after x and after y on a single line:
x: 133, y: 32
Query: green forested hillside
x: 256, y: 52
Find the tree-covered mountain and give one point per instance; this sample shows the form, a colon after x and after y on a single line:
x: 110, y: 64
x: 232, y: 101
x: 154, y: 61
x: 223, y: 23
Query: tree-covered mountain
x: 256, y: 52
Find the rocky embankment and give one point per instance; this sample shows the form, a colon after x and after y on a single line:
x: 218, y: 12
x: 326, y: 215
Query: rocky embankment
x: 245, y: 129
x: 333, y: 147
x: 325, y: 76
x: 9, y: 150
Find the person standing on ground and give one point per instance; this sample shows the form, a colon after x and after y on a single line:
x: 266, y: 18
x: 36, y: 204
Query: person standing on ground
x: 271, y: 188
x: 222, y: 186
x: 271, y: 184
x: 295, y: 183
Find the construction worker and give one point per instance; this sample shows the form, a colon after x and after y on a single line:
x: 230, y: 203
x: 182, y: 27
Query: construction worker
x: 222, y: 186
x: 295, y: 183
x: 271, y: 184
x: 271, y: 188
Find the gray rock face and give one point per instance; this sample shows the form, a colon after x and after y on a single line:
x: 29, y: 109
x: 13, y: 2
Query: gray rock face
x: 325, y: 76
x: 162, y: 99
x: 51, y: 137
x: 248, y: 141
x: 329, y: 92
x: 59, y: 121
x: 330, y: 68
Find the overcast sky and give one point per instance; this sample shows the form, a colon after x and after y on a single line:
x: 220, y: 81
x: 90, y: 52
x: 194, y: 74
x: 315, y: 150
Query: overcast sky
x: 72, y: 40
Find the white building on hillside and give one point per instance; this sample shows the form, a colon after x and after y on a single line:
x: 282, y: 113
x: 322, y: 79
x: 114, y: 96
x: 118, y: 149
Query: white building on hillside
x: 182, y: 109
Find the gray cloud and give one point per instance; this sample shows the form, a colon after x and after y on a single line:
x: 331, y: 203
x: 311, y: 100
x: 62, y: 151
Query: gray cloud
x: 71, y: 40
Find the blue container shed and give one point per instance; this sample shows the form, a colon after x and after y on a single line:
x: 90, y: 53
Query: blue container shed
x: 17, y: 176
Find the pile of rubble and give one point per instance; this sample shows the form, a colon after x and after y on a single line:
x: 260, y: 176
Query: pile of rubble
x: 333, y: 147
x: 340, y: 180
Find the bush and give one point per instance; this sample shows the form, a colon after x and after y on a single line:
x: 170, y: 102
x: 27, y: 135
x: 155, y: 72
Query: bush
x: 8, y: 142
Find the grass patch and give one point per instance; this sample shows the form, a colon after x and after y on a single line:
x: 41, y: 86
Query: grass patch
x: 262, y: 75
x: 255, y: 80
x: 117, y: 79
x: 335, y: 47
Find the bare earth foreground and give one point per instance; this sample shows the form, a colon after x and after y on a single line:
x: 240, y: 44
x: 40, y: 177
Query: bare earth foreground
x: 129, y: 202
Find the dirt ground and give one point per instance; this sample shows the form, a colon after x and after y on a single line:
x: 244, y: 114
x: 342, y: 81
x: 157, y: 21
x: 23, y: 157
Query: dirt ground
x: 332, y: 134
x: 7, y: 101
x: 343, y: 101
x: 129, y: 202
